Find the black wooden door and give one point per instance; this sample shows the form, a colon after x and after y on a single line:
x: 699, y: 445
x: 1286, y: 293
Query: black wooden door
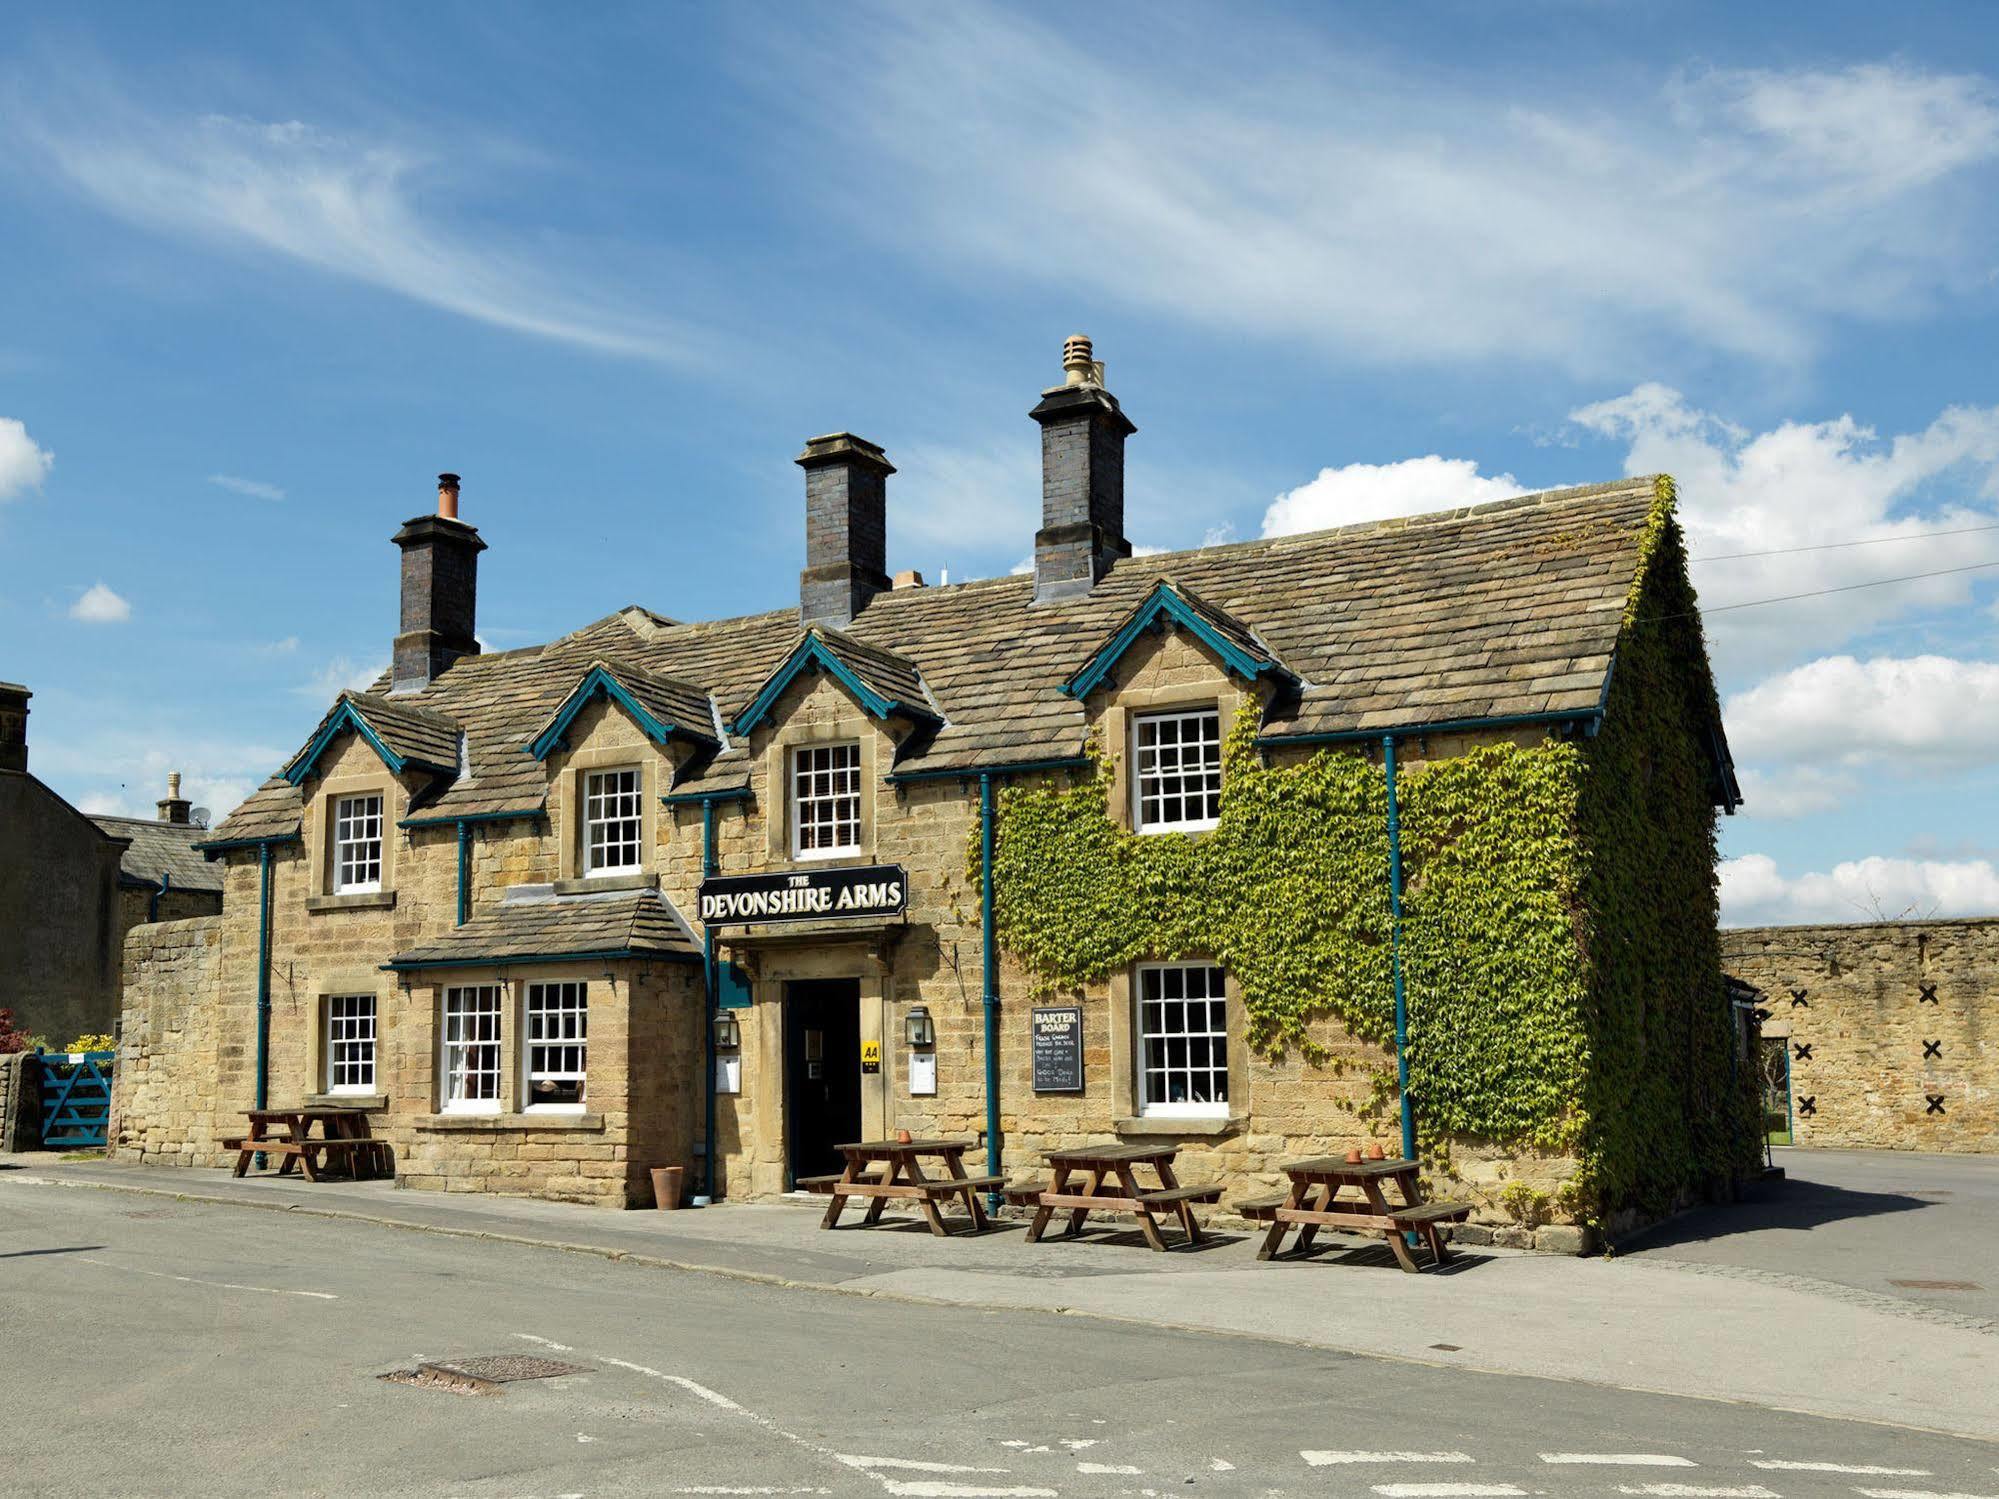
x: 822, y: 1064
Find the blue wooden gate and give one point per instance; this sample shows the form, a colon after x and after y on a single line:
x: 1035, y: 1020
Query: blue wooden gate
x: 76, y: 1098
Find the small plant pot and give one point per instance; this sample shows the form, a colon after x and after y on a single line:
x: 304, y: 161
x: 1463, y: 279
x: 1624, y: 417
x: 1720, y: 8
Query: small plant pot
x: 902, y: 1137
x: 666, y: 1185
x: 1375, y: 1152
x: 1353, y: 1156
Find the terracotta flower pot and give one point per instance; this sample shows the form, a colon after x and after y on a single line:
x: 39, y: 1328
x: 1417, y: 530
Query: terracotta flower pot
x: 902, y: 1137
x: 1375, y: 1152
x: 1353, y: 1156
x: 666, y: 1184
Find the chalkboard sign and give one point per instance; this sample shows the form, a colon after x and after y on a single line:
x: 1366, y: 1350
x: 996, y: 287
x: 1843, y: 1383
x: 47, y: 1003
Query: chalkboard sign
x: 1058, y: 1049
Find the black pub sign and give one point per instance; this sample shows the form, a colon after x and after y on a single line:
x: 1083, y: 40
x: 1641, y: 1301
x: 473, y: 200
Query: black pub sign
x: 806, y: 895
x: 1058, y: 1049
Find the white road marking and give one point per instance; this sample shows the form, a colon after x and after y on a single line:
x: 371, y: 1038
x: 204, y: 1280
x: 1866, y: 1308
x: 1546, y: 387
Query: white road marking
x: 1123, y: 1468
x: 1220, y: 1465
x: 932, y: 1489
x: 583, y: 1437
x: 1784, y: 1466
x: 854, y: 1460
x: 1621, y: 1459
x: 220, y: 1285
x: 1447, y: 1490
x: 545, y: 1342
x: 1077, y: 1444
x: 1329, y: 1459
x: 719, y: 1488
x: 1696, y: 1491
x: 1919, y: 1494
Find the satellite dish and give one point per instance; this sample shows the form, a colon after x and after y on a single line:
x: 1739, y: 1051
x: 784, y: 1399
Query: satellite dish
x: 199, y: 817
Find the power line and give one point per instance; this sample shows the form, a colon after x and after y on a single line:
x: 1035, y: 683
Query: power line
x: 1942, y: 572
x: 1866, y: 541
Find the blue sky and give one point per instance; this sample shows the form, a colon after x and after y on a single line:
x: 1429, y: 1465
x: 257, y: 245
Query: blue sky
x: 268, y: 270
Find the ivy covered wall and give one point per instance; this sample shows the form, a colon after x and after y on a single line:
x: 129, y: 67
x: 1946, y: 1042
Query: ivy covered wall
x: 1559, y: 917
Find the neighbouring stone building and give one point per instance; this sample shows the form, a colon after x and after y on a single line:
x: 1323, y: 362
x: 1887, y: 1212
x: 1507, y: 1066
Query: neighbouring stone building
x: 72, y: 886
x: 510, y: 900
x: 1879, y: 1035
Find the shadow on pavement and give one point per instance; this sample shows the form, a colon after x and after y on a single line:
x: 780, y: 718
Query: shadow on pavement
x: 22, y: 1254
x: 1787, y: 1204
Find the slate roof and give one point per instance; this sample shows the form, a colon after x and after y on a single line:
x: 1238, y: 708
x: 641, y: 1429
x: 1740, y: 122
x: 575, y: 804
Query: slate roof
x: 410, y: 728
x: 639, y: 923
x: 162, y: 848
x: 674, y: 704
x: 895, y: 677
x: 1491, y: 611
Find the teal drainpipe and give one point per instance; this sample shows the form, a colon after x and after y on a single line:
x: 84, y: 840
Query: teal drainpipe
x: 263, y: 982
x: 153, y: 900
x: 995, y: 1141
x: 464, y: 870
x: 709, y: 1154
x: 1395, y: 949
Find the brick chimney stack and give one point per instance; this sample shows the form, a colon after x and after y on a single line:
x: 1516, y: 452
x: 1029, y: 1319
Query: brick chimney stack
x: 173, y: 806
x: 846, y: 528
x: 440, y: 591
x: 1082, y: 478
x: 14, y: 726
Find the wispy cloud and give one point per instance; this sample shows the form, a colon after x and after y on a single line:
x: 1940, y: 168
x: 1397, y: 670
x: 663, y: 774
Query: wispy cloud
x: 23, y: 464
x: 341, y: 674
x: 256, y: 489
x: 1755, y: 891
x: 360, y: 208
x: 1380, y: 210
x: 98, y: 605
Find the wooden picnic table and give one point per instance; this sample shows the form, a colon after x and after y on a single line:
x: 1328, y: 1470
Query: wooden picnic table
x: 1369, y: 1212
x: 288, y: 1133
x: 902, y: 1178
x: 1113, y: 1187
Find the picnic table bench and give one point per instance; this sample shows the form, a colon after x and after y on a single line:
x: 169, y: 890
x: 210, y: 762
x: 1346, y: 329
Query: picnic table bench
x: 287, y: 1133
x: 1325, y: 1177
x: 1113, y: 1186
x: 883, y: 1171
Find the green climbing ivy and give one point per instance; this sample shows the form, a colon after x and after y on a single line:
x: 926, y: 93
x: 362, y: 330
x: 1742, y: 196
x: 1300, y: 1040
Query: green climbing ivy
x: 1558, y: 937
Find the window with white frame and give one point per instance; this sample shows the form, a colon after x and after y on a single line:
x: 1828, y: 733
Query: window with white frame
x: 611, y: 822
x: 471, y: 1052
x: 1183, y: 1043
x: 357, y: 844
x: 556, y: 1044
x: 825, y: 800
x: 1177, y: 770
x: 350, y: 1043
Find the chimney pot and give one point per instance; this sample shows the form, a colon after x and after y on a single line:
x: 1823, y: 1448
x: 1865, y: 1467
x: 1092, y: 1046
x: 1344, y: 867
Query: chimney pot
x: 846, y: 528
x: 909, y: 578
x: 173, y: 806
x: 447, y: 496
x: 1082, y: 478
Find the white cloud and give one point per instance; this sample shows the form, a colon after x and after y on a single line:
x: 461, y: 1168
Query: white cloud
x: 98, y: 605
x: 126, y: 779
x: 947, y: 501
x: 341, y: 674
x: 23, y: 465
x: 366, y: 210
x: 256, y: 489
x: 1792, y: 791
x: 1928, y: 709
x: 1755, y: 892
x: 1801, y: 484
x: 1375, y: 491
x: 1277, y: 186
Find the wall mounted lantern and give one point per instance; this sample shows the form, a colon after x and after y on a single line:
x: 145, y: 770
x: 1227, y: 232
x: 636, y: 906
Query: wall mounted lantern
x: 917, y: 1029
x: 728, y: 1033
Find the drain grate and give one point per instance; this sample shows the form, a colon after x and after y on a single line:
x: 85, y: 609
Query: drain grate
x: 482, y: 1375
x: 1938, y: 1285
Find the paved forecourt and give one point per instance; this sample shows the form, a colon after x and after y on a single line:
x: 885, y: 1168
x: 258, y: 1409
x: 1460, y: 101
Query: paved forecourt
x: 239, y: 1353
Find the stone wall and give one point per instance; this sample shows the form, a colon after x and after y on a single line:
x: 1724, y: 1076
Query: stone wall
x: 163, y: 1085
x: 20, y: 1102
x: 1893, y: 1029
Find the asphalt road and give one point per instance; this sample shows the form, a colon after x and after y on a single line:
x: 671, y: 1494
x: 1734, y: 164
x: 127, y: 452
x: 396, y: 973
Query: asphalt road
x: 1920, y: 1228
x: 194, y: 1349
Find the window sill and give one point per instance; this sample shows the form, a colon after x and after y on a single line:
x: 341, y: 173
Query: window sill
x: 374, y: 1103
x: 373, y: 900
x: 496, y: 1123
x: 643, y: 879
x: 1156, y: 1125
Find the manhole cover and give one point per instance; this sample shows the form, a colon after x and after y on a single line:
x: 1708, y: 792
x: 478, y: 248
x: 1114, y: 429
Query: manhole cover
x: 504, y: 1368
x: 1938, y: 1285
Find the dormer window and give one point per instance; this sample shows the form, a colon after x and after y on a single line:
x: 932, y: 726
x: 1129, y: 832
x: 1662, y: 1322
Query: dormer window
x: 1177, y: 771
x: 357, y: 845
x: 825, y: 801
x: 612, y: 822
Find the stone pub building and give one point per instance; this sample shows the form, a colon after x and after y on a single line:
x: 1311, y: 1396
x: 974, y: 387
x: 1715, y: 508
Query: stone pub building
x: 657, y: 888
